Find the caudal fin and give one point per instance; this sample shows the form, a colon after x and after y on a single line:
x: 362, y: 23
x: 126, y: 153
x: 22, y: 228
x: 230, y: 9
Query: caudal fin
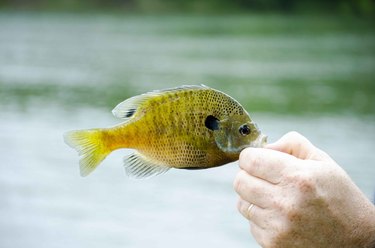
x: 89, y: 145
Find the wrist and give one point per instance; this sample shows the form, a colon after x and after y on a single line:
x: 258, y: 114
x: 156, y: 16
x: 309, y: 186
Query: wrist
x: 370, y: 230
x: 358, y: 220
x: 364, y: 234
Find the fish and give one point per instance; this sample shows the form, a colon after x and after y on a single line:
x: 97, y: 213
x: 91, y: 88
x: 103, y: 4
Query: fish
x: 187, y: 127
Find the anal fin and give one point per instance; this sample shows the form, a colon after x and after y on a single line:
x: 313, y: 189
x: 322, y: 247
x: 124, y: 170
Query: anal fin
x: 138, y: 166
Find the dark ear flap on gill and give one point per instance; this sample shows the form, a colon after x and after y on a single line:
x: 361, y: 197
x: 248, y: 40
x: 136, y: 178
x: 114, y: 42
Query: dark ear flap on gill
x: 211, y: 123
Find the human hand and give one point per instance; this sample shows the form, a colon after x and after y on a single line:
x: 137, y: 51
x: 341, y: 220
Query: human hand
x: 295, y: 195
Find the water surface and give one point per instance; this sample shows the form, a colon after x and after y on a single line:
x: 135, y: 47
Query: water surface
x: 60, y: 72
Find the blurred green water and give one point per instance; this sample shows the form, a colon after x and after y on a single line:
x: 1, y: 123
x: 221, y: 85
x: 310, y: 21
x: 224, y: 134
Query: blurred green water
x: 59, y: 72
x: 270, y: 63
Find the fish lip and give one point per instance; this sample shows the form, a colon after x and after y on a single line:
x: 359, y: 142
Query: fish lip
x: 260, y: 142
x: 263, y: 140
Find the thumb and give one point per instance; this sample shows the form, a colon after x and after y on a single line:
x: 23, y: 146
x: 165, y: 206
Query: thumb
x: 298, y: 146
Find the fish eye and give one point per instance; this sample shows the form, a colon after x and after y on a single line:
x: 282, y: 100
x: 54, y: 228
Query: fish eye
x: 244, y: 130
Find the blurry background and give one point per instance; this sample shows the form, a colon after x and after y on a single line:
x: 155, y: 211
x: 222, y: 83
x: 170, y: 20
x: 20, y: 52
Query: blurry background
x: 294, y: 65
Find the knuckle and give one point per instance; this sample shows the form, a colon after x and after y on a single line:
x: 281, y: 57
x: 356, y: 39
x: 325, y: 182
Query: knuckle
x: 246, y: 159
x: 244, y: 154
x: 255, y: 161
x: 286, y: 208
x: 239, y: 205
x: 304, y: 182
x: 293, y: 135
x: 297, y: 139
x: 293, y: 214
x: 238, y: 183
x: 253, y: 164
x: 291, y: 209
x: 278, y: 205
x: 250, y: 160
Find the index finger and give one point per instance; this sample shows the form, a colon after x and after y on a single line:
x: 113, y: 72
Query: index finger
x: 265, y: 163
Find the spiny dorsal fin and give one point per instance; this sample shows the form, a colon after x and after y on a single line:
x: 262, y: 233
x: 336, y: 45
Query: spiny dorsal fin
x: 138, y: 166
x: 128, y: 108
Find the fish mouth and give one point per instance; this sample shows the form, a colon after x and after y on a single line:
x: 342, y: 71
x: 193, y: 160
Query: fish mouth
x: 260, y: 142
x: 263, y: 140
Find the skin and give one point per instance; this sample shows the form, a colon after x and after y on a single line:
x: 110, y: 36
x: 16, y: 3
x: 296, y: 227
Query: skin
x: 302, y: 198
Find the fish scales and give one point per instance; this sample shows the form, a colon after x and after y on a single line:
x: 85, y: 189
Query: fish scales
x: 189, y: 147
x: 188, y: 127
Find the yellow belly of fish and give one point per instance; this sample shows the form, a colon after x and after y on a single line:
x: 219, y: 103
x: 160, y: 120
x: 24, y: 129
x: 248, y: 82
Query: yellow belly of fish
x: 179, y: 153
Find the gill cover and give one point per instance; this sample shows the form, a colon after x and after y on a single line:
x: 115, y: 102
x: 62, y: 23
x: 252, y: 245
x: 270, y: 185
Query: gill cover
x: 228, y: 136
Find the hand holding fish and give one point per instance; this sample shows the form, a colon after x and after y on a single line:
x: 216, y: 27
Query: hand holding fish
x: 295, y: 195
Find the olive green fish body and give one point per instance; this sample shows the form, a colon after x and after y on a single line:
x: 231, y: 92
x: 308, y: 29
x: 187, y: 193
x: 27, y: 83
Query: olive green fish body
x: 173, y: 129
x: 185, y: 127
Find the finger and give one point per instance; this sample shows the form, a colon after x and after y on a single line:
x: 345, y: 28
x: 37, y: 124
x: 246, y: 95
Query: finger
x: 265, y: 163
x: 254, y: 189
x: 260, y: 216
x: 246, y: 208
x: 259, y: 234
x: 298, y: 146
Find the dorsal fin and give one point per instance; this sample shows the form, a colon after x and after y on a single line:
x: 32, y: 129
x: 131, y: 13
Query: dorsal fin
x: 128, y: 108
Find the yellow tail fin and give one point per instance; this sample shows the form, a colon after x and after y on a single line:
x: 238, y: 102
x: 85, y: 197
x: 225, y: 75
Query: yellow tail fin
x: 90, y: 146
